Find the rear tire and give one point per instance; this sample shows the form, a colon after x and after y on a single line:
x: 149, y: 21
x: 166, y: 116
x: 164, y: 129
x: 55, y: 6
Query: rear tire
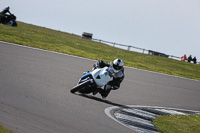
x: 80, y: 86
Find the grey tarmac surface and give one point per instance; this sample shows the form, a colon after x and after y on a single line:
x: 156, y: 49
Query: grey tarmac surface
x: 35, y: 93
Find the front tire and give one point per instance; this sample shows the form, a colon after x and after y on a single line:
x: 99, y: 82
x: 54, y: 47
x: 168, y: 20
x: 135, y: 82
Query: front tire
x: 80, y: 86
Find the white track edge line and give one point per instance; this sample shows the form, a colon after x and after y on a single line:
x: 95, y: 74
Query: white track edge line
x: 94, y: 60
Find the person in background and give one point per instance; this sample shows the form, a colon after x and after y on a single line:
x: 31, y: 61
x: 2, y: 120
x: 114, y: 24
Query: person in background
x: 195, y: 60
x: 184, y: 58
x: 190, y: 58
x: 3, y: 14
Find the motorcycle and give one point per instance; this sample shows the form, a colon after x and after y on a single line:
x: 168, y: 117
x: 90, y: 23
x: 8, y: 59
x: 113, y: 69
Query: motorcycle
x: 9, y: 20
x: 97, y: 78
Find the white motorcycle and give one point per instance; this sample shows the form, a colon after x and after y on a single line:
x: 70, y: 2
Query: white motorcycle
x: 95, y: 79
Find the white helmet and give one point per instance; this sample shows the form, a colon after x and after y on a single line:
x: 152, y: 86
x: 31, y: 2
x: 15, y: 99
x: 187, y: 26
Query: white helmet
x: 117, y: 65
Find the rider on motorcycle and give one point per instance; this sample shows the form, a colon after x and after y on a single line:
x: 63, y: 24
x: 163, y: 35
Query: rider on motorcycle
x: 118, y: 76
x: 3, y: 14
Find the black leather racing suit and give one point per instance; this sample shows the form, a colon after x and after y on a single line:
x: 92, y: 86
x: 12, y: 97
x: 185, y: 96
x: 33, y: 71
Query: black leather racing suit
x: 3, y: 14
x: 112, y: 85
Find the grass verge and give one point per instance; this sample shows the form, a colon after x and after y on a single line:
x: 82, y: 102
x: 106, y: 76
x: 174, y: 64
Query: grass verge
x: 178, y: 124
x: 5, y: 130
x: 40, y: 37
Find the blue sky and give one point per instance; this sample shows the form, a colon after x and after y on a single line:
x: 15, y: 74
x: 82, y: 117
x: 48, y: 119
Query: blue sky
x: 167, y: 26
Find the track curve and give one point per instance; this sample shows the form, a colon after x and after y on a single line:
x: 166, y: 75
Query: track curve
x: 35, y: 93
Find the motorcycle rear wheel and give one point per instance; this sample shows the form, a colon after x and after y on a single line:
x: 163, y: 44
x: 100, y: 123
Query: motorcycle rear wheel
x: 14, y: 24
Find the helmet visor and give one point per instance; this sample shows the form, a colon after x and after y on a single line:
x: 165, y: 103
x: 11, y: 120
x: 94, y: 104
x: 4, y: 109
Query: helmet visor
x: 117, y: 67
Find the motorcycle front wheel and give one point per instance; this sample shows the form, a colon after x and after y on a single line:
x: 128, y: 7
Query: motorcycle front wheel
x: 80, y: 86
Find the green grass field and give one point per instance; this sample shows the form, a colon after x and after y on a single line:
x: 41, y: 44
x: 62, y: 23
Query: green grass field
x: 5, y: 130
x: 178, y: 124
x: 40, y: 37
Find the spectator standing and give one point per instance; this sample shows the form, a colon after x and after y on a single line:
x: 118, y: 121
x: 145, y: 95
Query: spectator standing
x: 190, y: 58
x: 183, y: 58
x: 195, y: 60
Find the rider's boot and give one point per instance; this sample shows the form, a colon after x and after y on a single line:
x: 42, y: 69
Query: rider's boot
x: 96, y: 91
x: 104, y: 93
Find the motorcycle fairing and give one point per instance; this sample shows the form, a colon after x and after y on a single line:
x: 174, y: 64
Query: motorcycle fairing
x: 101, y: 76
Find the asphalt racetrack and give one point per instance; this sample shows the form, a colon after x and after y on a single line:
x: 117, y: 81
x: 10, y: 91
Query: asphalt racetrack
x: 35, y: 93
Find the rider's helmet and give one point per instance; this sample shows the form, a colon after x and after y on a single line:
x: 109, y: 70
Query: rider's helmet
x: 6, y: 10
x: 117, y: 65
